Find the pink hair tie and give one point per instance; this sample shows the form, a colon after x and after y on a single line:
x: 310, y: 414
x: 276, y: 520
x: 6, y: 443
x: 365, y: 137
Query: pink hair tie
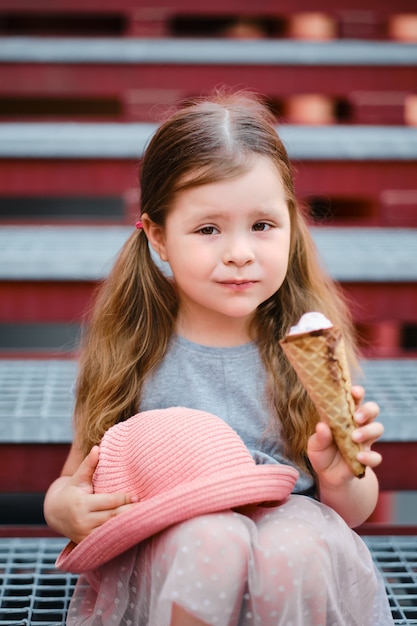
x: 139, y: 224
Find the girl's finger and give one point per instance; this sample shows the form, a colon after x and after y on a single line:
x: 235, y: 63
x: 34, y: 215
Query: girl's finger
x: 367, y: 412
x: 100, y: 517
x: 358, y: 393
x: 106, y: 502
x: 368, y: 434
x: 370, y: 458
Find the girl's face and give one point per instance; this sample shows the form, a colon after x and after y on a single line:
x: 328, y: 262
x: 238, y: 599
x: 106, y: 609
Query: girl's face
x: 227, y: 244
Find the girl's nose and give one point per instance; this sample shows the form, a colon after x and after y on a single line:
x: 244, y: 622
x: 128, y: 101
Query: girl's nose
x: 238, y: 252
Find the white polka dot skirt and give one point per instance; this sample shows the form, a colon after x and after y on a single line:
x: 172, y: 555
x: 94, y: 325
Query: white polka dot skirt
x: 297, y: 564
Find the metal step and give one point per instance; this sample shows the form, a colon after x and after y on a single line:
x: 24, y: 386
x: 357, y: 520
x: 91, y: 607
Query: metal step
x: 32, y: 591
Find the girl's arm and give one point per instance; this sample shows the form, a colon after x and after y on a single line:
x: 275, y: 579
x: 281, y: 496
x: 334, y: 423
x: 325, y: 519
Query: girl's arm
x: 71, y: 508
x: 353, y: 498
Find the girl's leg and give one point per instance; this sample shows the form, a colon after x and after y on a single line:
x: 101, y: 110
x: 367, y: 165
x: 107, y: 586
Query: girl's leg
x: 192, y: 574
x: 199, y: 567
x: 288, y: 581
x: 309, y: 567
x: 298, y: 563
x: 179, y: 617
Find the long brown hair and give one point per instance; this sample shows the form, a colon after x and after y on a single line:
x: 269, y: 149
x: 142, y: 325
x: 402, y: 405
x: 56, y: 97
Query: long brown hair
x: 134, y: 315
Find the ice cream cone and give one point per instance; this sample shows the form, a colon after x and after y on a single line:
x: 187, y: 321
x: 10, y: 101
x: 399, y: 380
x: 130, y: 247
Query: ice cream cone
x: 319, y: 359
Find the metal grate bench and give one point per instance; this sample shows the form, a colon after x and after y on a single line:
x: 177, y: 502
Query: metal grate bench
x: 103, y: 141
x: 43, y: 280
x: 275, y: 67
x: 32, y: 591
x: 36, y: 398
x: 396, y: 559
x: 349, y: 166
x: 35, y: 407
x: 36, y: 401
x: 382, y: 255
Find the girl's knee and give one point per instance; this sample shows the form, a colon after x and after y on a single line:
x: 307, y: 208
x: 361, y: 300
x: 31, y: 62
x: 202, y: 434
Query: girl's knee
x: 202, y: 565
x: 292, y: 547
x: 217, y: 544
x: 291, y: 568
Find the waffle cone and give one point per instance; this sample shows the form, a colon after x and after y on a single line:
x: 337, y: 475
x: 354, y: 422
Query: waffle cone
x: 320, y: 361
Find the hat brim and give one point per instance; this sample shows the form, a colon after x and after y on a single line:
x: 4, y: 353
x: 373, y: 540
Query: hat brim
x: 217, y: 492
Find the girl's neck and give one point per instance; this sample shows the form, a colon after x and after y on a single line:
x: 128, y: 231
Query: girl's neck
x: 219, y: 336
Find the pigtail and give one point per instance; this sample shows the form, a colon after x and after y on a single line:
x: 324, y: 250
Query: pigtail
x: 126, y: 335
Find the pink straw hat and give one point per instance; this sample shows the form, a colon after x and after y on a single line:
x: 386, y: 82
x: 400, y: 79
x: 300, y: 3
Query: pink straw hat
x: 180, y: 463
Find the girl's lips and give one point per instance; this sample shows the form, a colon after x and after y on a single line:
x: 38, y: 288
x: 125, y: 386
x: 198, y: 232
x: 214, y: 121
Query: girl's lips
x: 237, y: 284
x: 237, y: 281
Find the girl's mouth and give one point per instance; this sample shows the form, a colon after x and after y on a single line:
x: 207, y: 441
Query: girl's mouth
x: 237, y: 285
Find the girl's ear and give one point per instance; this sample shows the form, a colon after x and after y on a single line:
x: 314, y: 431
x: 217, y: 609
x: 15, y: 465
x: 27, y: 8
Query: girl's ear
x: 155, y: 235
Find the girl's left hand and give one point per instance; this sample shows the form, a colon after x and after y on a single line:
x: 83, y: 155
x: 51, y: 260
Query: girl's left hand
x: 324, y: 455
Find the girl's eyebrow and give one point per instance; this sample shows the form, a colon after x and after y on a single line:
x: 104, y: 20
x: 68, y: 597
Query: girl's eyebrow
x: 265, y: 212
x: 255, y: 214
x: 207, y: 216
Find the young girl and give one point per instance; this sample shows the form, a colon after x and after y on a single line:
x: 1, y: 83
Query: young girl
x: 218, y: 206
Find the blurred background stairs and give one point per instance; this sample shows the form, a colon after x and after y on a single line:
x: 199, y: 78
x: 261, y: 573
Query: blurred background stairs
x: 83, y: 85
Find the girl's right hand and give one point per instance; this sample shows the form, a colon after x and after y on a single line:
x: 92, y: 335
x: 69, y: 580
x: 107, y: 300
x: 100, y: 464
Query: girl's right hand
x: 72, y: 509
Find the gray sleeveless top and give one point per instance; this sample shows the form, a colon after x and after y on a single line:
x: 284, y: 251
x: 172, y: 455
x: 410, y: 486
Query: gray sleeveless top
x: 229, y: 382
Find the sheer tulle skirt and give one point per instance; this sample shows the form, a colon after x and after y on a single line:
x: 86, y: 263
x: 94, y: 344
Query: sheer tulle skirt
x: 297, y: 564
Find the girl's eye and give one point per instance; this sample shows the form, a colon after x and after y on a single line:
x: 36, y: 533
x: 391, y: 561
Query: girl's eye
x: 260, y: 226
x: 207, y: 230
